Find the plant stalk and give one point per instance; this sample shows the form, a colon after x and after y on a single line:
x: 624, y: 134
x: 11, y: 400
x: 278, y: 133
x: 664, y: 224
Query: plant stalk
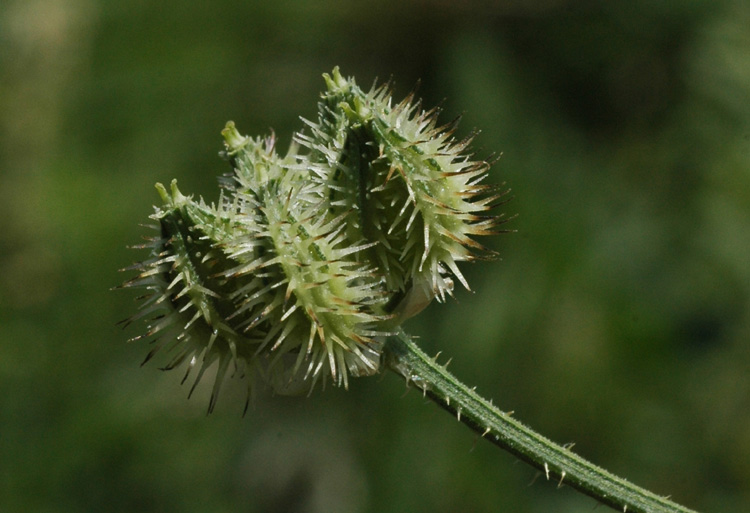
x: 558, y: 463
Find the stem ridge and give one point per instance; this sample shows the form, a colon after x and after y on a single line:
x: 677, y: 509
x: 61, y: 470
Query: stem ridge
x: 557, y: 462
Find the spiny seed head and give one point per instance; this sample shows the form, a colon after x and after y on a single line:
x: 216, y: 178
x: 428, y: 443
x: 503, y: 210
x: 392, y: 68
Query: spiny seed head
x: 309, y: 260
x: 418, y: 195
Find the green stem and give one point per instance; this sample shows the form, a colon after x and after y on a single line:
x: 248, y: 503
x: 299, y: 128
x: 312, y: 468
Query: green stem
x: 556, y: 462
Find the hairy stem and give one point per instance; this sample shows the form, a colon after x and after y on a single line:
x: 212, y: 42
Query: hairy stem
x: 556, y: 462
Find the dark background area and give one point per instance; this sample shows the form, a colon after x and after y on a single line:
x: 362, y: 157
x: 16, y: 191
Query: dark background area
x: 617, y: 318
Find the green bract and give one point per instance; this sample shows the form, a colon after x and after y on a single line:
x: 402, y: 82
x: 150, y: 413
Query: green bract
x: 309, y: 260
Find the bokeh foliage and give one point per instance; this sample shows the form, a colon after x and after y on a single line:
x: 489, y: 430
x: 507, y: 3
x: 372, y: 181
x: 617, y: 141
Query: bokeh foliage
x: 618, y: 318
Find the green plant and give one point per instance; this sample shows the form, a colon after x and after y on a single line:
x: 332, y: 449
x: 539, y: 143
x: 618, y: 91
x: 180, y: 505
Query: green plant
x: 308, y: 264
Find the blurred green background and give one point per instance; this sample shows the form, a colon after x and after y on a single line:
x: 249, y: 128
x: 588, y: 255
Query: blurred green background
x: 617, y: 319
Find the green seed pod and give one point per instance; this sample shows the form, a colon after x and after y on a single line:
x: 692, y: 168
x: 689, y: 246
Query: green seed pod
x: 417, y: 194
x: 326, y: 304
x: 189, y: 307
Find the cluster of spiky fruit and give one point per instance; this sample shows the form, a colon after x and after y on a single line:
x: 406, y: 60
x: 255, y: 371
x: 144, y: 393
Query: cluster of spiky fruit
x: 308, y: 260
